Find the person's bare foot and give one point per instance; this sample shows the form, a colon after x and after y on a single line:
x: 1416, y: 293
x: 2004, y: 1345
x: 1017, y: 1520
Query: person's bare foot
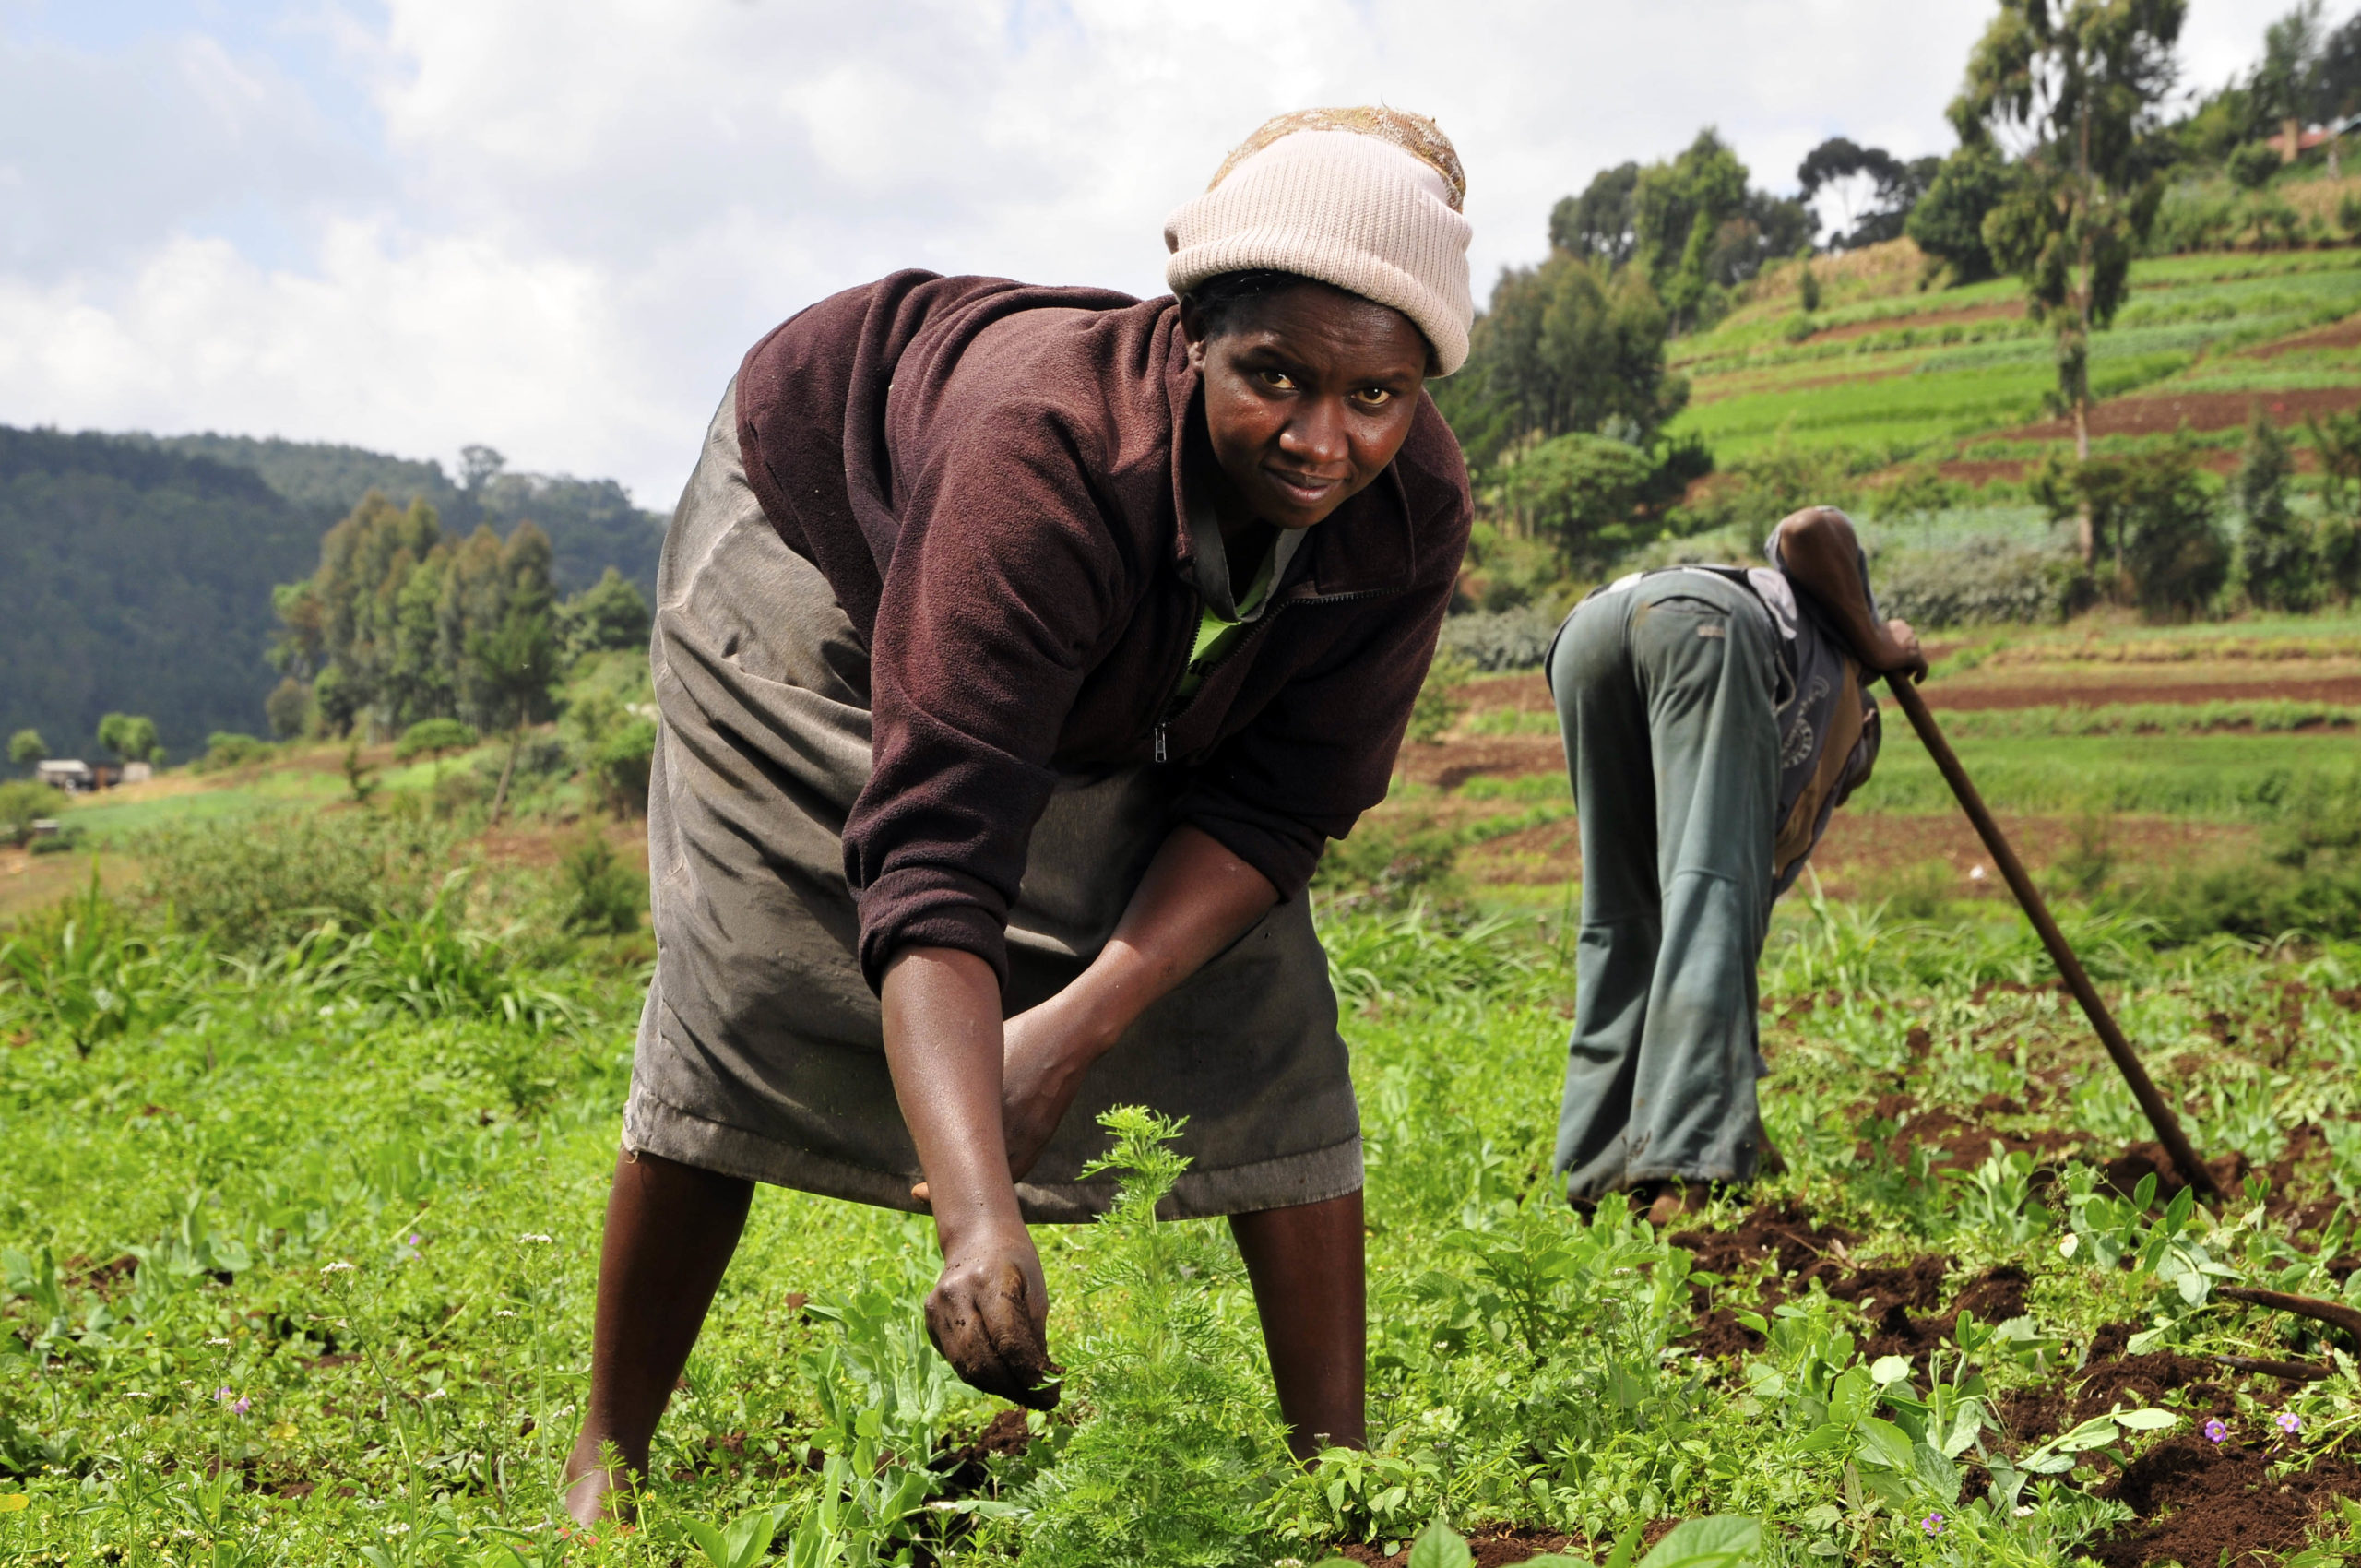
x: 598, y: 1484
x: 1672, y: 1200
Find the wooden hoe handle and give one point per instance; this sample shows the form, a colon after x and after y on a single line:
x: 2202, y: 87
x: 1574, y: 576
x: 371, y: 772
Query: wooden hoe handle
x: 2143, y: 1088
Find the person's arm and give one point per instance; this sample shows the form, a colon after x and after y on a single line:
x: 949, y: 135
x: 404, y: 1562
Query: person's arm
x: 1819, y: 552
x: 1195, y: 899
x: 989, y: 1311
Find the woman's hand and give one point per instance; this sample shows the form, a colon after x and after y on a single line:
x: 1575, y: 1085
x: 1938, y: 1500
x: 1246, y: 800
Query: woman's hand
x: 989, y: 1314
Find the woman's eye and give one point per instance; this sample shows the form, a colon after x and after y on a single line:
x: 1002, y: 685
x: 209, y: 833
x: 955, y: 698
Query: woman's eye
x: 1373, y: 396
x: 1278, y: 380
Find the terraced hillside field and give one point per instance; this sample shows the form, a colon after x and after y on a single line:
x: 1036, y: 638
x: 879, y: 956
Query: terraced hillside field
x: 1961, y: 375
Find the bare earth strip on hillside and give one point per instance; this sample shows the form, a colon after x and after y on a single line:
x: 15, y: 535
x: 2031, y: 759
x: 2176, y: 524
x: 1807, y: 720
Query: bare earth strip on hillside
x: 2161, y: 415
x: 2020, y: 688
x: 1864, y: 849
x: 2346, y: 334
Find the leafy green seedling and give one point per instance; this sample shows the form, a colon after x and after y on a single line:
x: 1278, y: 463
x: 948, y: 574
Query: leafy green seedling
x: 742, y: 1543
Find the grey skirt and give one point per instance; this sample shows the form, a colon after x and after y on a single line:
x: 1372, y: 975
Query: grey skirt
x: 760, y: 1050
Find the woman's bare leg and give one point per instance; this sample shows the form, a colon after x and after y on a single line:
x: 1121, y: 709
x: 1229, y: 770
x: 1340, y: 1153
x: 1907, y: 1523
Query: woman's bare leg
x: 1308, y: 1267
x: 671, y: 1229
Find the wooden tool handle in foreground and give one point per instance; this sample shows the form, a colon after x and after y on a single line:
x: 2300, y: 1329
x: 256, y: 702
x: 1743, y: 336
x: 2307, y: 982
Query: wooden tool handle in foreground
x: 2160, y: 1114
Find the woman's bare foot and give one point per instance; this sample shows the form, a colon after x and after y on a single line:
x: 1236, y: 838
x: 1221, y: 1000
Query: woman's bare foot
x: 599, y: 1483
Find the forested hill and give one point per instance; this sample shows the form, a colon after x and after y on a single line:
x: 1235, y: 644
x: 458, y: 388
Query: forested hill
x: 136, y: 571
x: 592, y: 523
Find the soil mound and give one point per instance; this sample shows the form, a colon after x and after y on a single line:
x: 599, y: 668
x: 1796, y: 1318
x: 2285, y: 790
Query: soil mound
x: 2201, y: 1502
x: 962, y: 1464
x: 2126, y: 1170
x: 1802, y: 1249
x: 2034, y: 1415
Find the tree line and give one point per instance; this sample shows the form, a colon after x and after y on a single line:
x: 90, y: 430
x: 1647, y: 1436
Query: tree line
x: 405, y: 621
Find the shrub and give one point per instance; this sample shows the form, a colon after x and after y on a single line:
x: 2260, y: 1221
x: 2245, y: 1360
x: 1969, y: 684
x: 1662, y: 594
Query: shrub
x: 1392, y: 863
x: 289, y: 708
x: 1986, y: 581
x: 23, y: 802
x: 1508, y: 640
x: 227, y: 748
x: 25, y: 748
x: 1583, y: 490
x: 130, y: 736
x: 255, y: 885
x: 1440, y: 701
x: 433, y: 737
x: 2281, y: 559
x: 603, y: 897
x: 2176, y: 554
x: 621, y: 765
x: 2251, y: 166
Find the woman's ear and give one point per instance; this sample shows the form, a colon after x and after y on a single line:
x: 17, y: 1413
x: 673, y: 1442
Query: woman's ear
x: 1192, y: 333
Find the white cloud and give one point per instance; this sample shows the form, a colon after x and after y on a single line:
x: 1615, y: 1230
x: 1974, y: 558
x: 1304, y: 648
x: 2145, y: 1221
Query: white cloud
x: 581, y: 212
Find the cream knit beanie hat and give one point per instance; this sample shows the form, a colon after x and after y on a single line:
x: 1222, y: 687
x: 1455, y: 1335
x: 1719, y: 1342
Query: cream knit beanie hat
x: 1365, y: 199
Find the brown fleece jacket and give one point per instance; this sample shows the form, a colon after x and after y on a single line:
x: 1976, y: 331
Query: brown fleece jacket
x: 997, y: 480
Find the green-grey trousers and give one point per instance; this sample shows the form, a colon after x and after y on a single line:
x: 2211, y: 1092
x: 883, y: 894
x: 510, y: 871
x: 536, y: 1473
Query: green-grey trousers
x: 1665, y: 689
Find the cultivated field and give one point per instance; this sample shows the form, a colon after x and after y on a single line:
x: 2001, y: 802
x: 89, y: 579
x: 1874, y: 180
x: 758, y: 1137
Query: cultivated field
x: 299, y: 1244
x: 1958, y: 376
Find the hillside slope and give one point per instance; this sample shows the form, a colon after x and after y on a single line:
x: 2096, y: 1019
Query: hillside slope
x: 1897, y: 374
x: 139, y: 580
x: 136, y: 571
x: 592, y: 523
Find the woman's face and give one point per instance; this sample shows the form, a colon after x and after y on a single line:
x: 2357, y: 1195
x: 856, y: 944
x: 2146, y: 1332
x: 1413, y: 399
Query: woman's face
x: 1309, y: 394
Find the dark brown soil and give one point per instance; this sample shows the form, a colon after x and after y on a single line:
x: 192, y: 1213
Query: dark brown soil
x: 1801, y: 1249
x: 1718, y: 1333
x: 1530, y: 693
x: 2124, y: 1172
x: 1960, y: 697
x: 2110, y: 1378
x: 1491, y: 1546
x: 2346, y: 334
x: 2203, y: 1502
x: 963, y: 1464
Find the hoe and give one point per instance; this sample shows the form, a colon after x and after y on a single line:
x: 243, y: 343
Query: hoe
x: 1823, y: 555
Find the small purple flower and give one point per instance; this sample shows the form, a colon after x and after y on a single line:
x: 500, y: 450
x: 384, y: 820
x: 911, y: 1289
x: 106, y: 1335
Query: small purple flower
x: 415, y: 1239
x: 221, y: 1396
x: 2290, y: 1423
x: 1932, y: 1523
x: 2214, y: 1431
x: 242, y: 1406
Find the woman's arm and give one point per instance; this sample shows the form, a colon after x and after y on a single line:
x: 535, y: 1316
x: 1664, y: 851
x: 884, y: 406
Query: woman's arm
x: 989, y: 1312
x: 1195, y: 899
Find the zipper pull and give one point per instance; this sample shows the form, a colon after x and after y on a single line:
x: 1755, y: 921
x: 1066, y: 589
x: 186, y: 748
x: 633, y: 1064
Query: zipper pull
x: 1159, y: 742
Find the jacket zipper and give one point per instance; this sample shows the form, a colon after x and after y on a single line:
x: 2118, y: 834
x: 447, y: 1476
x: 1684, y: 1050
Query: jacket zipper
x: 1173, y: 708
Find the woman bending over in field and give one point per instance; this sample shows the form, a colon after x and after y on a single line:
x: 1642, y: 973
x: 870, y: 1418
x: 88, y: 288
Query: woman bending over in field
x: 1018, y: 651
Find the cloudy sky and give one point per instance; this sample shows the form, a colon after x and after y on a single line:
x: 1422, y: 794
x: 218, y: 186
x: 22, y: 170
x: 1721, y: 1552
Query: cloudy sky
x: 555, y: 225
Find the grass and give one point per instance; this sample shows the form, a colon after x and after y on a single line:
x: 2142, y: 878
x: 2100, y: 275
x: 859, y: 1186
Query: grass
x: 361, y: 1237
